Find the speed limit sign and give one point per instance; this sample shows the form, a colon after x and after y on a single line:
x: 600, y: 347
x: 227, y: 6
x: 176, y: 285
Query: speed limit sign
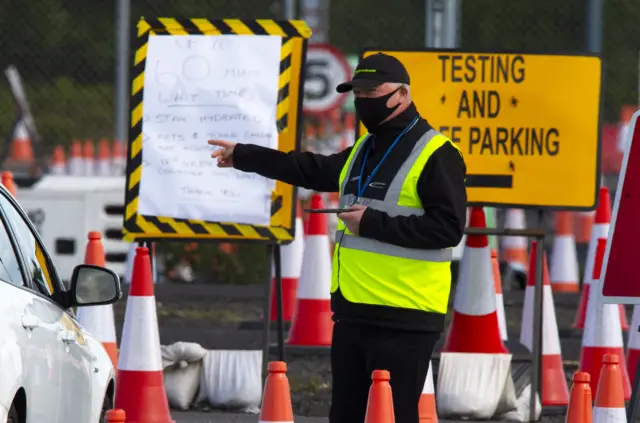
x: 326, y: 68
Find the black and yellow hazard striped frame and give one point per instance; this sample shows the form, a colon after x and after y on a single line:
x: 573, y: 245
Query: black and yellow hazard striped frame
x: 292, y: 57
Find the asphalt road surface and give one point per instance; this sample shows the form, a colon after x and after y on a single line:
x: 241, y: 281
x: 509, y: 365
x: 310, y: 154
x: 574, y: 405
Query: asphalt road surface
x: 216, y: 417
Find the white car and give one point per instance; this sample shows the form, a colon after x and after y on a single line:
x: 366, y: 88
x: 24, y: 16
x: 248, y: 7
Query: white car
x: 51, y: 369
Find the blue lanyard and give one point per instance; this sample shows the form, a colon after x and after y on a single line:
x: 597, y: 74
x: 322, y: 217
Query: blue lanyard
x: 361, y: 188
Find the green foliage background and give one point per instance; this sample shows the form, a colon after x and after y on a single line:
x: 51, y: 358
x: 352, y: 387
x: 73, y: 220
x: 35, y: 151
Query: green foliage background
x: 65, y: 50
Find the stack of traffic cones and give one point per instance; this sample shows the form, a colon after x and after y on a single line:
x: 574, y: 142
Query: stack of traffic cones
x: 579, y: 410
x: 103, y: 165
x: 99, y: 320
x: 602, y: 334
x: 610, y: 396
x: 312, y: 324
x: 58, y: 161
x: 380, y: 403
x: 564, y: 261
x: 119, y: 159
x: 497, y: 283
x: 554, y: 385
x: 291, y: 267
x: 427, y: 406
x: 76, y: 162
x: 140, y: 384
x: 475, y: 327
x: 600, y: 230
x: 514, y: 248
x: 276, y: 400
x: 88, y: 155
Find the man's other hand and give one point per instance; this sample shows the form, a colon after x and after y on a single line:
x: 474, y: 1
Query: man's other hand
x: 351, y: 218
x: 224, y: 154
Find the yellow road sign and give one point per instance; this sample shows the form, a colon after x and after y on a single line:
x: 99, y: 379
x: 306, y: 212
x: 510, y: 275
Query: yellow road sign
x: 528, y: 125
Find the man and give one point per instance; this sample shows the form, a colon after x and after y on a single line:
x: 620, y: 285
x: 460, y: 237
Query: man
x: 403, y: 184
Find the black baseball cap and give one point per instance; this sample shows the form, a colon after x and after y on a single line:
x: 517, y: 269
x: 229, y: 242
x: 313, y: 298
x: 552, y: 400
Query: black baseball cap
x: 375, y: 70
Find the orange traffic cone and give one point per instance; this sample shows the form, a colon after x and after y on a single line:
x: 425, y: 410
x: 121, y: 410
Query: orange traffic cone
x: 88, y: 154
x: 103, y: 167
x: 76, y: 162
x: 58, y: 161
x: 119, y: 159
x: 579, y: 410
x: 564, y: 261
x: 291, y: 266
x: 609, y: 406
x: 7, y: 181
x: 380, y: 403
x: 99, y: 320
x: 276, y: 400
x: 474, y: 327
x: 21, y: 148
x: 602, y: 333
x: 140, y: 384
x: 554, y: 384
x: 600, y: 229
x: 115, y: 416
x: 583, y: 227
x: 427, y: 405
x: 312, y: 324
x: 497, y: 284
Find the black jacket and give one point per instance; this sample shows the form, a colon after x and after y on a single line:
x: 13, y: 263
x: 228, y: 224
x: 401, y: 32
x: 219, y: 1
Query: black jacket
x: 441, y: 189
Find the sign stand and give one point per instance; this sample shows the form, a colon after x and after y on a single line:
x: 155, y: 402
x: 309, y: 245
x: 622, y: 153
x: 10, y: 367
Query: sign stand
x: 274, y: 251
x: 618, y: 284
x: 173, y: 60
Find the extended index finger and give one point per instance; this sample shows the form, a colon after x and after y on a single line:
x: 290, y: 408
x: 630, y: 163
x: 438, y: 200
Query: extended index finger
x: 221, y: 143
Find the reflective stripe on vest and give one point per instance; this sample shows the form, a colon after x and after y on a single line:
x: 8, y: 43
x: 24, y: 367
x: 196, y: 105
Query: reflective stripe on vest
x: 374, y: 272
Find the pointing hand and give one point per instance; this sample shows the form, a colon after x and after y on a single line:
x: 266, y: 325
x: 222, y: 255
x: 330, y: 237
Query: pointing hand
x: 224, y: 153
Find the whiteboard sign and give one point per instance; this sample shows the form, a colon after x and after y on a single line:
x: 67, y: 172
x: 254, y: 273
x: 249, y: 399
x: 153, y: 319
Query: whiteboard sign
x: 198, y: 88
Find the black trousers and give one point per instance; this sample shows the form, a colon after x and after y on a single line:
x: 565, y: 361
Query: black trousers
x: 358, y: 349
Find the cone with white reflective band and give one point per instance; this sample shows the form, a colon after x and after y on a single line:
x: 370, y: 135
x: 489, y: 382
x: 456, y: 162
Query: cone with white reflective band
x: 602, y: 333
x: 514, y: 248
x: 474, y: 327
x: 564, y: 261
x: 610, y: 396
x: 600, y: 229
x: 497, y: 284
x: 312, y: 324
x: 427, y: 406
x: 633, y: 347
x: 554, y: 384
x: 99, y: 320
x: 276, y: 399
x: 140, y: 385
x: 291, y: 267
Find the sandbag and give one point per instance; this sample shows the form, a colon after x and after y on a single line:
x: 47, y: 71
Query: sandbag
x: 475, y: 386
x: 232, y: 379
x: 182, y: 364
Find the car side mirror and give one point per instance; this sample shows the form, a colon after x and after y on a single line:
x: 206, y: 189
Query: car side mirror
x: 94, y: 285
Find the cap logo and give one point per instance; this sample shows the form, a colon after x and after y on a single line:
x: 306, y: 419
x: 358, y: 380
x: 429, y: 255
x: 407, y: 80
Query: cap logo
x: 364, y: 70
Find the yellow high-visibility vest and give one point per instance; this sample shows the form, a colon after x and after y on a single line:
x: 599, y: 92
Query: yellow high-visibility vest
x: 377, y: 273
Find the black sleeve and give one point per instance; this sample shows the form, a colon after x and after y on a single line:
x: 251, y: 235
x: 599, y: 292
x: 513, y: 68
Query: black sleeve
x: 308, y: 170
x: 442, y: 190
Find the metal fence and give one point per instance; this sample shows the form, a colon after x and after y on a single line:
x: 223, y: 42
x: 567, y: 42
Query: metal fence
x: 65, y: 50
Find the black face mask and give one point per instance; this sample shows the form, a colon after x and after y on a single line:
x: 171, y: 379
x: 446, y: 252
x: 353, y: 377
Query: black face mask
x: 373, y: 110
